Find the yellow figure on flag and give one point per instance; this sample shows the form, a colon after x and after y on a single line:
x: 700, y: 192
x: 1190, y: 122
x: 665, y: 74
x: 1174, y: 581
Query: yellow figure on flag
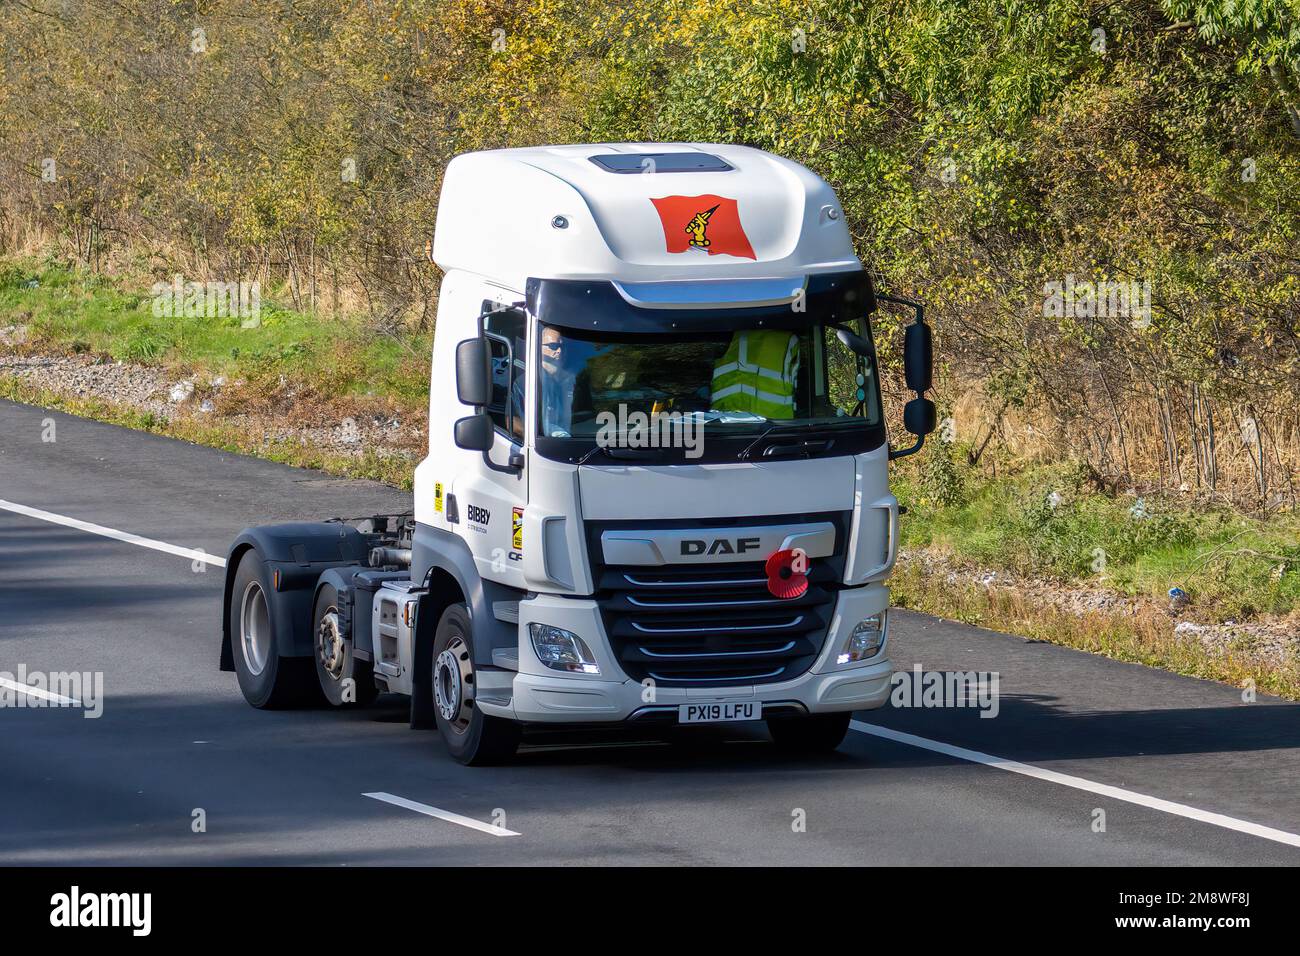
x: 696, y: 227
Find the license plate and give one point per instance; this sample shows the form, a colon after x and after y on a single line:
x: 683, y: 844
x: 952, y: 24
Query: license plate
x: 716, y: 713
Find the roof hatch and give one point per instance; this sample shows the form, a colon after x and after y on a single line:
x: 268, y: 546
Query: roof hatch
x: 662, y: 163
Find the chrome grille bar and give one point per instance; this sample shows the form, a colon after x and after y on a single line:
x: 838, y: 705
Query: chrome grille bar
x: 707, y: 654
x: 704, y: 603
x: 730, y: 678
x: 637, y: 582
x: 719, y: 630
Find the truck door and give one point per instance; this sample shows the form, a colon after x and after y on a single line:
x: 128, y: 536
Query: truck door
x: 492, y: 501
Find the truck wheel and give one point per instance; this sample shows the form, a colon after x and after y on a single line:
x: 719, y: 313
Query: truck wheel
x: 336, y: 668
x: 268, y: 680
x: 818, y: 733
x: 472, y: 736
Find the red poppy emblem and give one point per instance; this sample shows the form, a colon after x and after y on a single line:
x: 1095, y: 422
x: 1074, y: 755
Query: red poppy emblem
x: 786, y: 576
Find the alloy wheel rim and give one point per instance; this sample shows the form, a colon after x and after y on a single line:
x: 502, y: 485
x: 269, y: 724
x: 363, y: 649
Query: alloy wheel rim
x: 254, y: 628
x: 329, y: 644
x: 453, y: 683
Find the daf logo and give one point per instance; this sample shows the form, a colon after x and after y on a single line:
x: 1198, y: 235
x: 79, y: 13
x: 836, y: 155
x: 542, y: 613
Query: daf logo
x: 720, y: 546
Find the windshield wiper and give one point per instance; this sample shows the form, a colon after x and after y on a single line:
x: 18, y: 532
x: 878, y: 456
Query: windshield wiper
x: 613, y: 451
x: 784, y: 427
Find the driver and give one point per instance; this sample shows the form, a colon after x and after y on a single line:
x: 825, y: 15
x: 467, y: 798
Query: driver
x: 557, y: 383
x: 757, y: 374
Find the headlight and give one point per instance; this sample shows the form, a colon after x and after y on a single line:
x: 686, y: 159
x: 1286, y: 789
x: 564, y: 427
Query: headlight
x: 865, y: 640
x: 562, y: 650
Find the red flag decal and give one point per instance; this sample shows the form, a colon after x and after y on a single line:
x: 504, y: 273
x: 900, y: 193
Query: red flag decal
x: 710, y: 223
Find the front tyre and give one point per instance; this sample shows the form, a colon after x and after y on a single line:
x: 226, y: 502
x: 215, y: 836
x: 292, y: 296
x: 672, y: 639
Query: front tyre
x: 267, y: 680
x: 816, y: 733
x: 472, y: 737
x: 344, y: 680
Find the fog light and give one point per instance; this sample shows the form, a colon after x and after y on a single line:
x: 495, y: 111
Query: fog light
x: 865, y: 640
x: 562, y: 650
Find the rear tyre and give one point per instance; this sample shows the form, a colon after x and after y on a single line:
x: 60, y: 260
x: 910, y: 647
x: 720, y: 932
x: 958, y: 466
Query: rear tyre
x: 267, y: 680
x: 344, y: 680
x: 817, y: 733
x: 472, y: 737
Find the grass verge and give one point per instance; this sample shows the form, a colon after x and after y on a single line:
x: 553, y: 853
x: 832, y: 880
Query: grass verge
x: 72, y: 311
x: 1055, y: 522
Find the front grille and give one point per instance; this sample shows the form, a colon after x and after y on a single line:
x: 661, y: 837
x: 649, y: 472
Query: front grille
x: 702, y: 625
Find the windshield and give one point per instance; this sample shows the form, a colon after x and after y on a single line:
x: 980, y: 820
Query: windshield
x: 606, y: 389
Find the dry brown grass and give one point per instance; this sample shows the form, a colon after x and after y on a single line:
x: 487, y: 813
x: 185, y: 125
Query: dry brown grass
x: 1248, y: 457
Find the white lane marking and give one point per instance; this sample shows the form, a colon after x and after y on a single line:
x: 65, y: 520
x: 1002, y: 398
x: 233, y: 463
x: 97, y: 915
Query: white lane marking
x: 441, y: 814
x: 38, y: 692
x: 192, y: 553
x: 1080, y: 783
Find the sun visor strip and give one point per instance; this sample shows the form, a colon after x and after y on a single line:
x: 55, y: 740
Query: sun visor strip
x: 601, y: 305
x: 713, y: 293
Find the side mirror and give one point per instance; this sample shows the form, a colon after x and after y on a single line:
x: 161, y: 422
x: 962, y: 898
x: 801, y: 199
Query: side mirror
x: 853, y: 341
x: 918, y: 358
x: 475, y: 432
x: 918, y: 372
x: 919, y: 416
x: 473, y: 376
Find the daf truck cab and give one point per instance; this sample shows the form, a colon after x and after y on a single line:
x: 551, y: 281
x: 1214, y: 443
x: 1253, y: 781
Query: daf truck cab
x: 656, y: 487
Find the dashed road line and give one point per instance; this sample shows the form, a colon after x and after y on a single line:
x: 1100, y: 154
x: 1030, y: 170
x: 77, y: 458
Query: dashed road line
x: 194, y: 554
x: 1080, y: 783
x: 441, y: 814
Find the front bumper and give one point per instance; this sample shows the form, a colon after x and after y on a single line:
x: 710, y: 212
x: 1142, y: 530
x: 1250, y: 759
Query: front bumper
x: 545, y: 696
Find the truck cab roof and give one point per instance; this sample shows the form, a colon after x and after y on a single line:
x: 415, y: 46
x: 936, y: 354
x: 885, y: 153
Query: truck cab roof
x: 641, y: 215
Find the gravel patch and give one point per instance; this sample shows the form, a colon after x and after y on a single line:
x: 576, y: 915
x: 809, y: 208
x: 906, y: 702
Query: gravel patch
x: 169, y: 397
x: 133, y: 385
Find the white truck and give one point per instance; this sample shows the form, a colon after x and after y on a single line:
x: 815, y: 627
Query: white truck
x: 656, y: 484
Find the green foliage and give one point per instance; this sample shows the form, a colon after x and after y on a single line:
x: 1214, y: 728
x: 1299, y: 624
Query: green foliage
x: 942, y: 481
x: 1266, y: 29
x: 143, y: 344
x: 1049, y: 522
x: 1073, y: 538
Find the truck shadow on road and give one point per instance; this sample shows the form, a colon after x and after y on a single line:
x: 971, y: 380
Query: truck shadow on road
x: 1030, y: 728
x: 1027, y: 728
x: 41, y: 572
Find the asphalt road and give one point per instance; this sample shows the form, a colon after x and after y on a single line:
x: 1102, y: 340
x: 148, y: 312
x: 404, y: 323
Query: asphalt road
x: 175, y: 736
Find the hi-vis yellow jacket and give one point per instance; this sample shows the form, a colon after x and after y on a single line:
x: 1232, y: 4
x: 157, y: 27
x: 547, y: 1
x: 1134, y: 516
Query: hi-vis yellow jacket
x: 756, y: 374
